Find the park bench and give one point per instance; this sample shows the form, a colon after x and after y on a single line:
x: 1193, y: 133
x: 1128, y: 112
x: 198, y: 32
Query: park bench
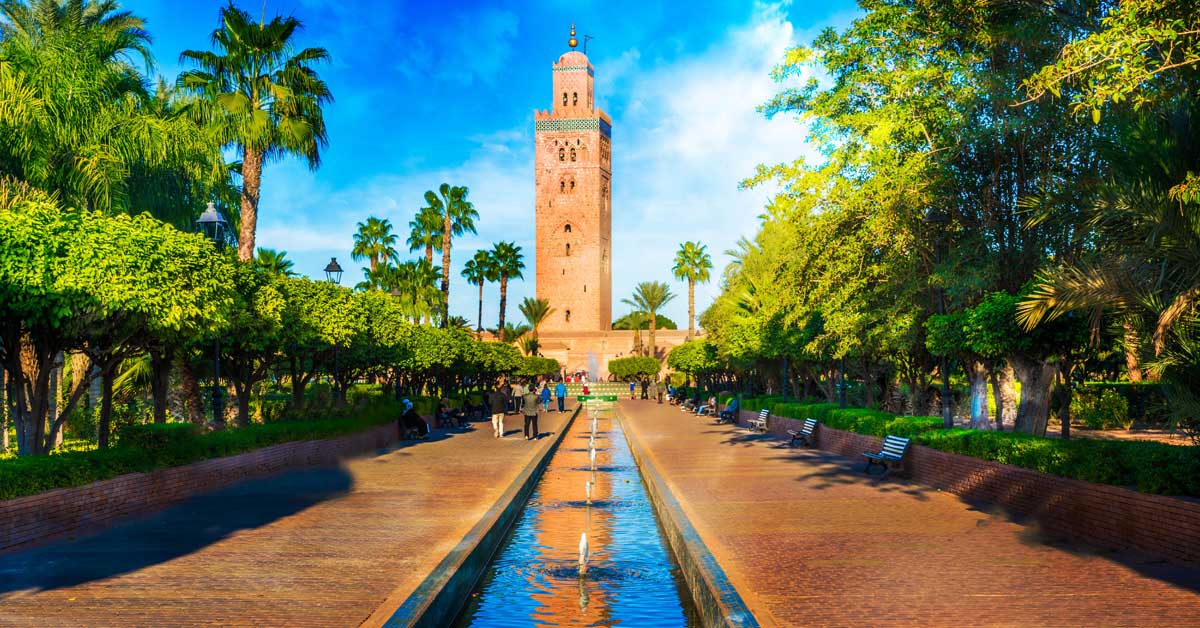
x: 890, y: 454
x: 759, y: 424
x: 804, y: 434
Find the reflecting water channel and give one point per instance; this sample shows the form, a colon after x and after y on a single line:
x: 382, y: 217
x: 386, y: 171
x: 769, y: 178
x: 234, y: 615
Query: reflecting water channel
x: 631, y: 578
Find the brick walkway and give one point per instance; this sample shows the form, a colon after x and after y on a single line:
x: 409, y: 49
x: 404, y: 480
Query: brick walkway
x: 320, y: 547
x: 809, y: 541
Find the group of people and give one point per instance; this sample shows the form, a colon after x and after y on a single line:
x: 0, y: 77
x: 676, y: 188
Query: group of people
x: 650, y: 390
x: 524, y: 399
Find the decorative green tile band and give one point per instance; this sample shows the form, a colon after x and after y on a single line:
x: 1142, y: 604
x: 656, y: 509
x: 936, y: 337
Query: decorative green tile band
x: 573, y: 124
x: 575, y: 68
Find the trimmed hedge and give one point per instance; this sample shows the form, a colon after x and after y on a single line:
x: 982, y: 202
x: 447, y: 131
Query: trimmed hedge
x: 148, y: 447
x: 1151, y: 467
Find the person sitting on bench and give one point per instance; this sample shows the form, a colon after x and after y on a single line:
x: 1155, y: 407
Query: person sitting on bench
x: 411, y: 423
x: 711, y: 405
x: 730, y: 411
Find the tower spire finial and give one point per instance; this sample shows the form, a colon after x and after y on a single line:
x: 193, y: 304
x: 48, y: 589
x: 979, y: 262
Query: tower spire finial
x: 572, y: 42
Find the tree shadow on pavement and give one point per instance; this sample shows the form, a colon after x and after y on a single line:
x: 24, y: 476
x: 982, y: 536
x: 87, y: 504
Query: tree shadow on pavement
x: 179, y: 530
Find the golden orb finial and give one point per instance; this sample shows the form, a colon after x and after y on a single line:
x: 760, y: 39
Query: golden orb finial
x: 572, y: 42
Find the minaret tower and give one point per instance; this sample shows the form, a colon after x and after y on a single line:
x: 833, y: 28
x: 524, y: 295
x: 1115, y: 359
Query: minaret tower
x: 573, y: 177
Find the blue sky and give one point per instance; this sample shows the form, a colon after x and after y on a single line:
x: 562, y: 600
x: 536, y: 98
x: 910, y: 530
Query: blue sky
x: 427, y: 93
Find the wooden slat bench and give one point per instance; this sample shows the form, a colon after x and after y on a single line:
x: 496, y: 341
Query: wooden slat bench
x: 804, y: 435
x: 889, y: 455
x: 760, y: 424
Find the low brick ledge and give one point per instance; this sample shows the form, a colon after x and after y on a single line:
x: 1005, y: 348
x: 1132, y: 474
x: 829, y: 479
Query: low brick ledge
x: 1107, y: 516
x: 78, y: 509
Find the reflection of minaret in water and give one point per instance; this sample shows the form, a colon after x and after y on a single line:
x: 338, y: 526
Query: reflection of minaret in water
x: 567, y: 597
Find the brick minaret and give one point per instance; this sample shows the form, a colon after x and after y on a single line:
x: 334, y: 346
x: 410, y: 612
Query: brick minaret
x: 573, y: 175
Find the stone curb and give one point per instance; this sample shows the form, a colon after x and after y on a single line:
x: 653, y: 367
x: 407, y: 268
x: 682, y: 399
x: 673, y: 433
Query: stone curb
x: 441, y: 595
x: 715, y: 597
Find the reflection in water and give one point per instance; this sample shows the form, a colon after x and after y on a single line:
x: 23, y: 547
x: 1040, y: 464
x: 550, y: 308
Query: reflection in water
x: 631, y: 578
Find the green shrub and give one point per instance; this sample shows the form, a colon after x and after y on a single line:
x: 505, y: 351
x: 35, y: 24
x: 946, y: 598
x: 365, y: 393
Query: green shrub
x: 155, y: 435
x: 167, y: 446
x: 1101, y: 409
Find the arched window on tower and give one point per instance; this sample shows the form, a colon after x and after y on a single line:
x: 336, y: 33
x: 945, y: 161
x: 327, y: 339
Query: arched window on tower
x: 572, y: 154
x: 564, y: 98
x: 574, y: 98
x: 567, y: 228
x: 562, y: 186
x: 572, y: 185
x: 568, y: 316
x: 568, y: 249
x: 562, y: 155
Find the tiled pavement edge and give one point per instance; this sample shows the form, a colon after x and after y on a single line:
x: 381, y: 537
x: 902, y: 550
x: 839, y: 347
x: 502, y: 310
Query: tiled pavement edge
x: 317, y: 547
x: 807, y: 540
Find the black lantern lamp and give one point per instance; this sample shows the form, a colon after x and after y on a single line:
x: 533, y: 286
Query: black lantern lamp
x: 214, y: 226
x: 333, y: 271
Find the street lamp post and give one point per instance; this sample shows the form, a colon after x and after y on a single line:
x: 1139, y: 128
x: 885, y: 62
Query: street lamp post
x: 333, y: 274
x: 214, y: 227
x: 938, y: 219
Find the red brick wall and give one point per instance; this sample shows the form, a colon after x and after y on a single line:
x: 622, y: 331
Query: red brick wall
x: 1107, y: 516
x: 67, y: 510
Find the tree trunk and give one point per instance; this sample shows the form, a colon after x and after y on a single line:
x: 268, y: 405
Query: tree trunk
x: 252, y: 167
x: 503, y: 302
x: 191, y: 391
x: 105, y: 410
x: 691, y: 308
x: 977, y: 375
x: 160, y: 381
x: 1037, y: 382
x: 1005, y: 390
x: 1064, y: 401
x: 52, y: 403
x: 1133, y: 364
x: 479, y: 319
x: 446, y: 269
x: 243, y: 404
x: 653, y: 323
x: 5, y: 410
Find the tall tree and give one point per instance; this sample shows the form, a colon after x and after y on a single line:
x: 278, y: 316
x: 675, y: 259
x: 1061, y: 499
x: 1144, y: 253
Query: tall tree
x: 507, y: 263
x: 425, y: 232
x: 261, y: 99
x: 650, y: 297
x: 458, y: 217
x: 478, y: 270
x: 375, y: 241
x: 692, y: 264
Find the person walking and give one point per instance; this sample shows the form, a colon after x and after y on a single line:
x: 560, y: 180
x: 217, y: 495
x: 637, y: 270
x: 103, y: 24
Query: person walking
x: 507, y: 391
x: 654, y: 392
x: 529, y: 403
x: 498, y: 402
x: 645, y: 391
x: 560, y: 393
x: 518, y: 393
x: 632, y: 389
x: 545, y: 397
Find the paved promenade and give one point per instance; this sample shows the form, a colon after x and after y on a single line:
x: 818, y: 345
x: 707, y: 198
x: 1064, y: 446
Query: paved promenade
x: 809, y: 541
x: 319, y: 547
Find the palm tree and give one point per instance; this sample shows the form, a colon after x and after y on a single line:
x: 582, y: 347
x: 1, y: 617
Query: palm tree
x: 692, y: 264
x: 458, y: 217
x: 261, y: 99
x: 414, y: 283
x: 478, y: 270
x: 375, y: 241
x: 650, y: 296
x: 634, y: 321
x: 274, y: 263
x: 510, y: 333
x: 507, y: 264
x: 536, y: 311
x: 425, y: 231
